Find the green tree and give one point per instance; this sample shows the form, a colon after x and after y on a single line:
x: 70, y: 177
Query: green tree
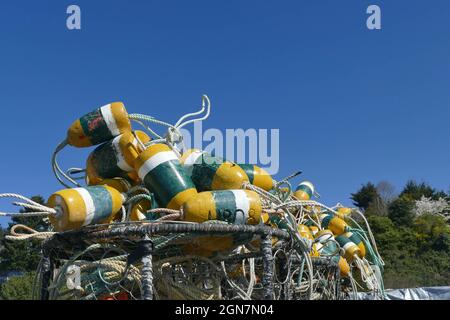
x: 2, y: 234
x: 430, y: 226
x: 442, y: 243
x: 416, y: 250
x: 415, y: 191
x: 23, y: 255
x: 18, y: 287
x: 401, y: 211
x: 367, y: 199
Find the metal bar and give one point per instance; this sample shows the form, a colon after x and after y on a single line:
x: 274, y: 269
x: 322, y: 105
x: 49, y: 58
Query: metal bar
x: 338, y: 283
x: 47, y: 270
x: 266, y: 249
x: 147, y: 269
x: 130, y: 231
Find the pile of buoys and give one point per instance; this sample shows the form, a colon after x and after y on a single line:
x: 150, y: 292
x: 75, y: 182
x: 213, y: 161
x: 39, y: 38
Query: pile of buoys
x: 203, y: 186
x: 138, y: 176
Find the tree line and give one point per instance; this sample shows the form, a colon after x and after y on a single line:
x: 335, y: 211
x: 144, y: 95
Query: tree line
x: 412, y: 232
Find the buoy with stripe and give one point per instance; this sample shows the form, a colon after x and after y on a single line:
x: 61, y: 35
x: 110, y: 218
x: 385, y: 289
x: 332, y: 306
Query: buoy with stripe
x: 115, y: 158
x: 99, y: 126
x: 350, y: 248
x: 334, y: 223
x: 80, y: 207
x: 304, y: 191
x: 356, y: 239
x: 212, y: 173
x: 330, y: 249
x: 258, y: 176
x: 160, y: 170
x: 232, y: 206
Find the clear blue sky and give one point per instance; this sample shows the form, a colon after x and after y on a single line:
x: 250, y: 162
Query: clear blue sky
x: 352, y: 105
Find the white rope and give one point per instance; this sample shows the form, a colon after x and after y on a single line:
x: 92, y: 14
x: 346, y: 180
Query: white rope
x: 367, y: 274
x: 302, y: 203
x: 354, y: 284
x: 25, y: 214
x: 173, y: 136
x: 242, y: 294
x: 30, y: 206
x: 147, y: 128
x: 73, y: 171
x: 32, y: 234
x: 45, y: 211
x: 289, y: 177
x: 180, y: 124
x: 56, y: 168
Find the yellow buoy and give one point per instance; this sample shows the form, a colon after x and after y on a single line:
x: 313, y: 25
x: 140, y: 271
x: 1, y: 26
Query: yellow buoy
x: 115, y: 158
x: 212, y: 173
x: 350, y: 248
x: 356, y: 239
x: 99, y: 126
x: 258, y: 176
x: 305, y: 232
x: 334, y: 223
x: 304, y: 191
x: 314, y: 230
x: 80, y: 207
x: 330, y: 249
x: 233, y: 206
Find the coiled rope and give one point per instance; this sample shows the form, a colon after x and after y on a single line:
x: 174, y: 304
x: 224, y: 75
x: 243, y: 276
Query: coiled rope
x: 31, y: 233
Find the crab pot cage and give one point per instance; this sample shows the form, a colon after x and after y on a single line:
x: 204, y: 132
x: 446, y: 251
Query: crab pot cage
x: 148, y: 261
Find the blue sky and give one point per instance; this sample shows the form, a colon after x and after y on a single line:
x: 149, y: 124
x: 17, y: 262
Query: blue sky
x: 352, y: 105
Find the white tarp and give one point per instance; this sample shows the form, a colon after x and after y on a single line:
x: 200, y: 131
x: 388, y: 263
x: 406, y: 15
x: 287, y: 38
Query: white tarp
x: 425, y: 293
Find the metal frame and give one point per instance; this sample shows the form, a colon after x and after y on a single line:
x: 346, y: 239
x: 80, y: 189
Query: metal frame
x: 142, y: 233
